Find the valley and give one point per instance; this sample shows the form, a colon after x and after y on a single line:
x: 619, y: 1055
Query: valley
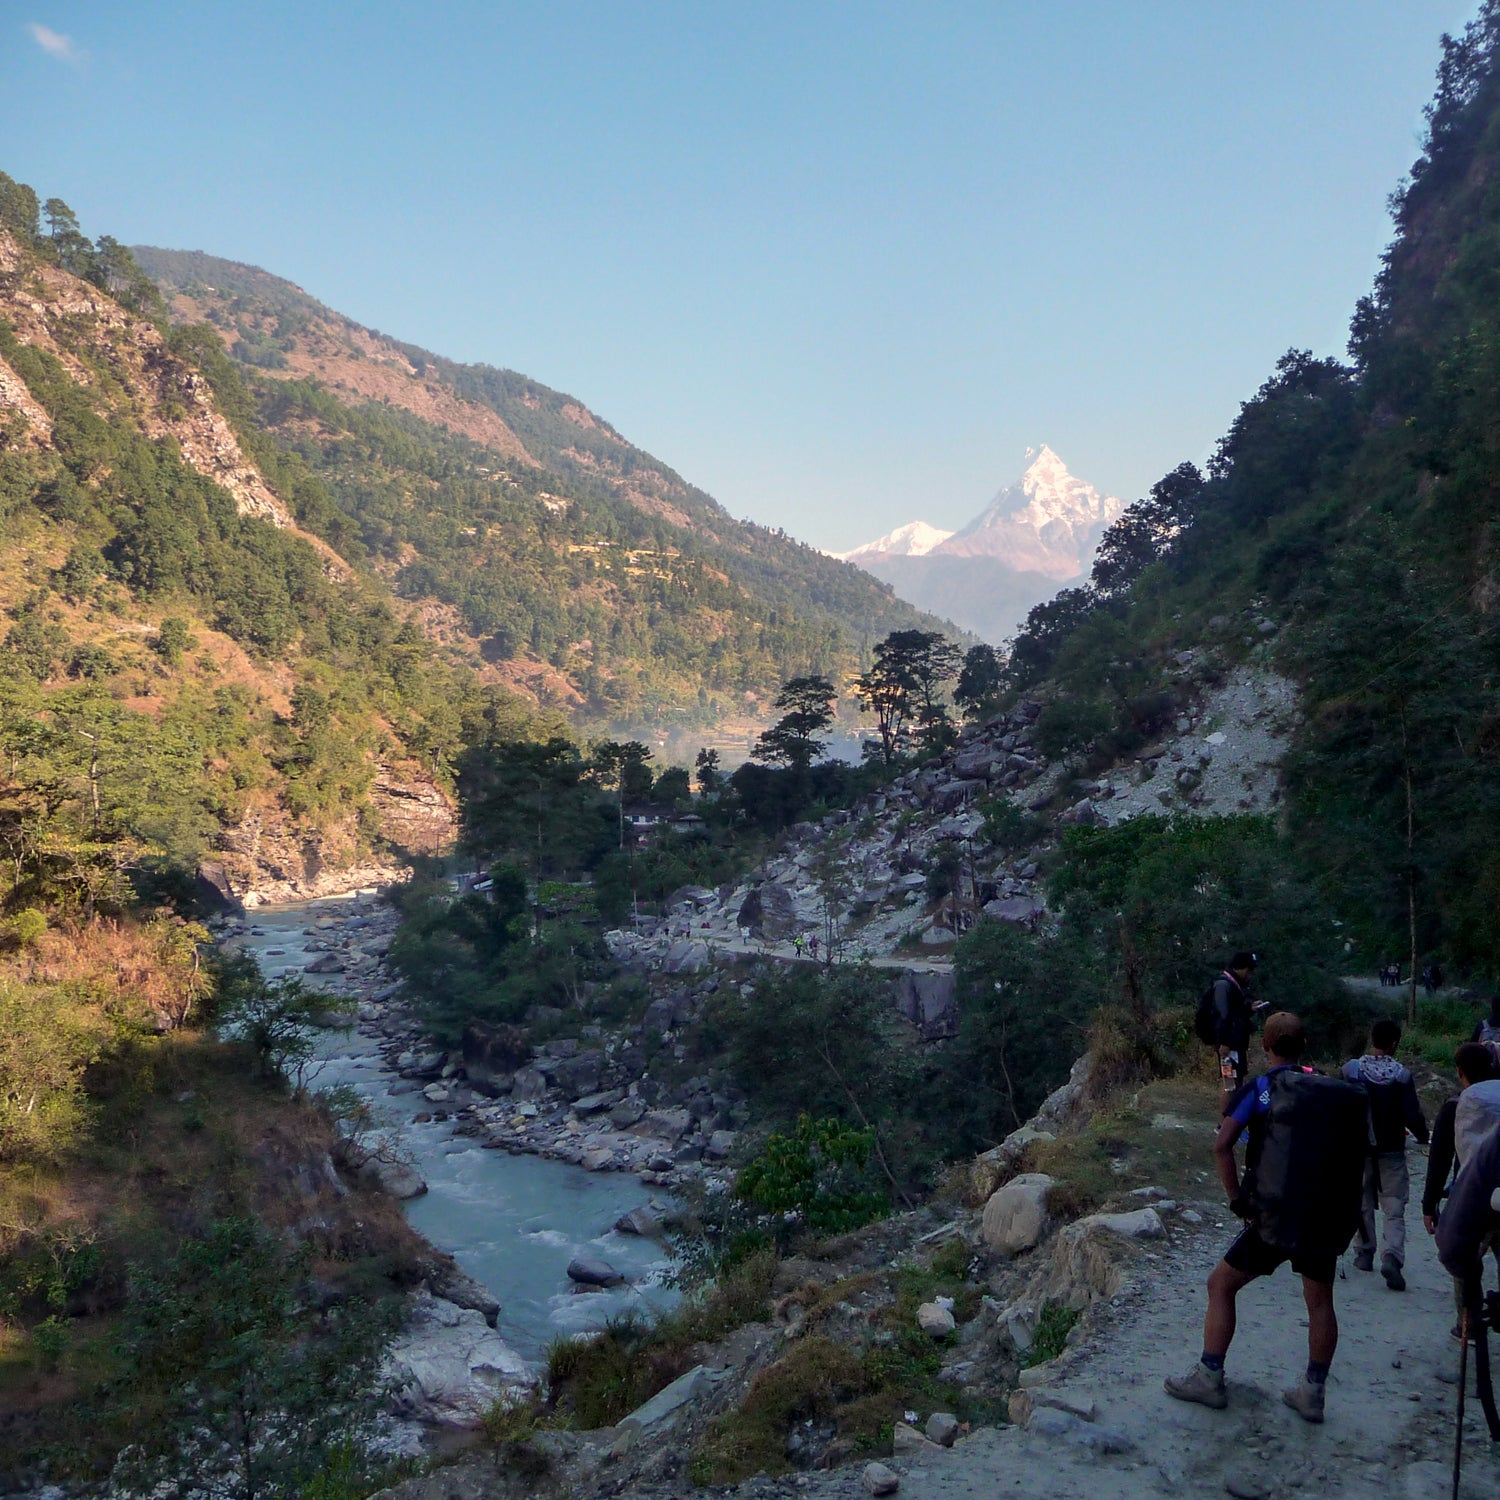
x: 514, y: 982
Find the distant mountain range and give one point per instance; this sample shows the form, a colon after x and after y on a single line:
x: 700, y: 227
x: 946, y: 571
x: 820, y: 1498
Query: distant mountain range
x: 1036, y: 536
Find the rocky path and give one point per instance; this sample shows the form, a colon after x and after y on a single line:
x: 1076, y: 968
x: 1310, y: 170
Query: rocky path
x: 1391, y: 1401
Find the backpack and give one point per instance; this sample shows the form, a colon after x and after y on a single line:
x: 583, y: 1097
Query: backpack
x: 1206, y: 1017
x: 1478, y: 1113
x: 1489, y: 1036
x: 1306, y: 1175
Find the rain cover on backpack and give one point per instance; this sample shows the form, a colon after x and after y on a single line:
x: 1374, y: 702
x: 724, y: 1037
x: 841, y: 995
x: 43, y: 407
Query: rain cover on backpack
x: 1308, y: 1165
x: 1478, y: 1114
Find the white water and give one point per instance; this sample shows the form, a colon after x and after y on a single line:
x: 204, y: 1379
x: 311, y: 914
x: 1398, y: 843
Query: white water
x: 512, y: 1222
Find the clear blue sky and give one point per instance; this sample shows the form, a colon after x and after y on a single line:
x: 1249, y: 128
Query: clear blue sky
x: 838, y: 264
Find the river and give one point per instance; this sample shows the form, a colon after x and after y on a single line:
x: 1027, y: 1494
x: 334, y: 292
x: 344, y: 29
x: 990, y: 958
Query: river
x: 511, y: 1222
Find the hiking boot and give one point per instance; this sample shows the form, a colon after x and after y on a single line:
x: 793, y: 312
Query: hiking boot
x: 1200, y: 1384
x: 1364, y: 1260
x: 1390, y: 1268
x: 1306, y: 1399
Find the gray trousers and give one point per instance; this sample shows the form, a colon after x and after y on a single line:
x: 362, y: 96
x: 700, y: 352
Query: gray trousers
x: 1387, y: 1186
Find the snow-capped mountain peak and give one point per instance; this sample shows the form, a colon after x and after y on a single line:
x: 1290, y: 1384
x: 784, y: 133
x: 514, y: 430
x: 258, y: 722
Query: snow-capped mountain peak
x: 915, y: 539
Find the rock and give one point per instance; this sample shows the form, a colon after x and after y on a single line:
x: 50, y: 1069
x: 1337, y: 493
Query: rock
x: 530, y: 1084
x: 879, y: 1480
x: 639, y: 1221
x: 1085, y: 1408
x: 976, y: 761
x: 907, y: 1442
x: 592, y: 1104
x: 661, y: 1411
x: 436, y: 1093
x: 1082, y: 815
x: 451, y: 1284
x: 666, y: 1124
x: 720, y: 1144
x: 588, y: 1272
x: 627, y: 1112
x: 929, y: 1002
x: 1016, y: 1216
x: 686, y: 956
x: 597, y: 1159
x: 393, y: 1177
x: 935, y: 1321
x: 942, y: 1428
x: 1138, y: 1224
x: 448, y: 1366
x: 1246, y: 1486
x: 578, y: 1076
x: 329, y: 963
x: 1019, y: 911
x: 1036, y: 1375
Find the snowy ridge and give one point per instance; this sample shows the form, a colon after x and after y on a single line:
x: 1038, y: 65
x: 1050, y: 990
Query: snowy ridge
x: 915, y: 539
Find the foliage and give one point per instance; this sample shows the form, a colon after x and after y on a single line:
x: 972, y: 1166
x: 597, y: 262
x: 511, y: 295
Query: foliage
x: 902, y: 689
x: 1051, y: 1337
x: 224, y: 1392
x: 806, y: 707
x: 274, y: 1019
x: 815, y: 1177
x: 981, y: 681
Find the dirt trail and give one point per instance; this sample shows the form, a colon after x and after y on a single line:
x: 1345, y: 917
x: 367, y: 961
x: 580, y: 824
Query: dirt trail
x: 1391, y: 1397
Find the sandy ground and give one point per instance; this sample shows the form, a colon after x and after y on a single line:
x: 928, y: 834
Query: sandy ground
x: 1391, y: 1397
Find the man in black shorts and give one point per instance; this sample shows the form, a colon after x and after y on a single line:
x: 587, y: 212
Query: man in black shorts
x: 1250, y: 1256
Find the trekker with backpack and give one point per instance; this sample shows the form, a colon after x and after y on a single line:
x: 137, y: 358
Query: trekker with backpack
x: 1475, y: 1064
x: 1300, y: 1199
x: 1223, y: 1019
x: 1487, y: 1031
x: 1394, y: 1109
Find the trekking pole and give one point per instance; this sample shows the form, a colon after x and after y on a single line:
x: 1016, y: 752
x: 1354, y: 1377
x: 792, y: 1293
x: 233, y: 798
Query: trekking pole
x: 1463, y: 1379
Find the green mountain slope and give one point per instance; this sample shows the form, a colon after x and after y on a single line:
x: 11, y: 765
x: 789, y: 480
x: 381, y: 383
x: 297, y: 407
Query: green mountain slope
x: 1347, y: 530
x: 586, y: 571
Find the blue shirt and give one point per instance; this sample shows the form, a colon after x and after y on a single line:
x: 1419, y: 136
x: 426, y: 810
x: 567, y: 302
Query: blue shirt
x: 1254, y: 1098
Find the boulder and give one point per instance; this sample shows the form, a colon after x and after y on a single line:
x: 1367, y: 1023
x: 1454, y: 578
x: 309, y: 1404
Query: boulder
x: 329, y: 963
x: 942, y: 1428
x: 720, y: 1144
x: 627, y: 1112
x: 639, y: 1221
x: 578, y: 1076
x: 907, y: 1442
x: 1082, y: 815
x: 1019, y: 911
x: 951, y: 795
x: 1138, y: 1224
x: 935, y: 1320
x: 393, y: 1177
x: 976, y: 761
x: 530, y: 1083
x: 449, y: 1283
x: 1015, y: 1217
x: 593, y: 1104
x: 879, y: 1480
x: 666, y: 1124
x: 448, y: 1366
x: 661, y: 1411
x: 686, y: 956
x: 768, y: 911
x: 929, y: 1002
x: 588, y: 1272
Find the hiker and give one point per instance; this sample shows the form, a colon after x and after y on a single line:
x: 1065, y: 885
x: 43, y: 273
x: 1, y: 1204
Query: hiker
x: 1474, y: 1064
x: 812, y: 946
x: 1232, y: 1009
x: 1300, y: 1200
x: 1394, y: 1110
x: 1487, y: 1031
x: 1428, y: 983
x: 1470, y: 1222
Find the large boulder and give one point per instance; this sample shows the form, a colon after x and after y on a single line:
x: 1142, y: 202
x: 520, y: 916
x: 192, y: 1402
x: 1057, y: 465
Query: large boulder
x: 768, y: 911
x: 929, y: 1002
x: 1019, y: 911
x: 686, y: 956
x: 975, y: 761
x: 448, y: 1366
x: 589, y: 1272
x: 1016, y: 1216
x: 949, y: 796
x: 578, y: 1076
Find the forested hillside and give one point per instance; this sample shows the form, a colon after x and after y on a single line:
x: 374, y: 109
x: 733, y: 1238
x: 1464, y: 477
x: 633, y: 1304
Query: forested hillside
x: 586, y: 571
x: 1352, y: 508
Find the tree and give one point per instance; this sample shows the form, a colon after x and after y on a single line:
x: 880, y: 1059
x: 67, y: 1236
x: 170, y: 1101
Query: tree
x: 173, y: 638
x: 903, y: 686
x: 234, y: 1388
x: 980, y: 680
x: 1146, y: 531
x: 709, y: 775
x: 61, y: 220
x: 794, y: 739
x: 674, y: 786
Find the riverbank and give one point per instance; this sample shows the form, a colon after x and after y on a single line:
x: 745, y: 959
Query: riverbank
x: 512, y: 1221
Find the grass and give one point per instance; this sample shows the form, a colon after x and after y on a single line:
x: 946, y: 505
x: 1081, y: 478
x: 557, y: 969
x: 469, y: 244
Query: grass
x: 1444, y: 1022
x: 1052, y: 1330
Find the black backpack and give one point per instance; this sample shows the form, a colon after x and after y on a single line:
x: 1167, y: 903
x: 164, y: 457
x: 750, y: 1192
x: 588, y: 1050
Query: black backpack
x: 1206, y: 1018
x: 1306, y: 1162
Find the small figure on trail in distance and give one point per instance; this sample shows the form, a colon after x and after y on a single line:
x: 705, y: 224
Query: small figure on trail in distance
x: 1394, y: 1110
x: 797, y: 944
x: 1300, y: 1201
x: 812, y: 945
x: 1474, y: 1063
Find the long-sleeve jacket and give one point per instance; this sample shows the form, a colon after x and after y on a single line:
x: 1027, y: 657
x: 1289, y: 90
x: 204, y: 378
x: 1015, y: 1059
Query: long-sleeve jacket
x: 1231, y: 1014
x: 1469, y: 1218
x: 1394, y: 1106
x: 1440, y: 1158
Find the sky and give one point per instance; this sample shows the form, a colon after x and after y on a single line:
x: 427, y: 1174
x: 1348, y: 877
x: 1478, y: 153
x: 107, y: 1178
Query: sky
x: 838, y: 264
